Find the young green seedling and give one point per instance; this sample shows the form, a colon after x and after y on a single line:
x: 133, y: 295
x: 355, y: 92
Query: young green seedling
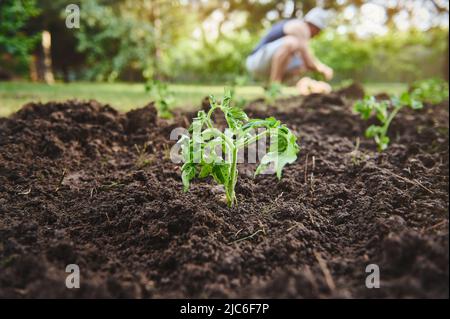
x: 385, y: 112
x: 211, y: 152
x: 163, y: 97
x: 272, y: 92
x: 432, y: 91
x: 239, y: 102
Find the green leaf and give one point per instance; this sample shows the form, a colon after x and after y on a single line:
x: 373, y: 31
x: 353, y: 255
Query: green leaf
x: 378, y: 133
x: 283, y: 136
x: 273, y: 91
x: 405, y: 98
x: 220, y: 173
x: 205, y: 170
x: 281, y: 152
x: 365, y: 107
x: 210, y: 150
x: 374, y: 130
x: 432, y: 91
x: 270, y: 122
x: 381, y: 110
x: 416, y: 105
x: 235, y: 117
x: 409, y: 100
x: 238, y: 114
x: 382, y: 142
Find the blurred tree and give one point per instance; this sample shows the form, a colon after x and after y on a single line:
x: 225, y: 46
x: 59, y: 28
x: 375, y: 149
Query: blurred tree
x: 396, y: 56
x: 210, y: 39
x: 348, y: 57
x: 15, y: 44
x: 442, y: 9
x: 164, y: 15
x: 65, y: 59
x: 116, y: 44
x: 128, y: 39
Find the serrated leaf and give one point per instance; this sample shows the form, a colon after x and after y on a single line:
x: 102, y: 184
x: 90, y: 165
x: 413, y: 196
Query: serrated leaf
x: 220, y: 173
x: 235, y: 117
x: 205, y: 170
x: 210, y: 151
x: 282, y: 152
x: 365, y: 107
x: 238, y: 114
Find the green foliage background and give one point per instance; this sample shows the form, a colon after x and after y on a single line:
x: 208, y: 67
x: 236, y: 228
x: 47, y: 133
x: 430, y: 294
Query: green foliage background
x: 135, y: 40
x: 15, y: 43
x: 395, y: 57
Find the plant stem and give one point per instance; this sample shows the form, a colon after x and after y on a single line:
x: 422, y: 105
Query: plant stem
x: 231, y: 196
x: 208, y: 116
x: 252, y: 139
x: 218, y: 133
x: 390, y: 118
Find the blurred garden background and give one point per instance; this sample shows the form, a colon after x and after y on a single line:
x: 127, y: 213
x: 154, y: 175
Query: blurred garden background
x: 199, y: 46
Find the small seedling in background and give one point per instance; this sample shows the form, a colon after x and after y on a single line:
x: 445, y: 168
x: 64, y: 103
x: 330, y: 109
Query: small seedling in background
x: 356, y: 155
x: 202, y: 159
x: 433, y: 91
x: 163, y: 97
x: 385, y: 112
x: 239, y: 102
x: 273, y: 92
x: 241, y: 80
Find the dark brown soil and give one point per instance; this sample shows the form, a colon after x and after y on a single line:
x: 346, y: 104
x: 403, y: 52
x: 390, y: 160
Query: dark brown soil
x: 353, y: 91
x: 75, y: 189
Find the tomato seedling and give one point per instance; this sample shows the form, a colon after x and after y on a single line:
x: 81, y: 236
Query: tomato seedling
x: 385, y: 111
x: 432, y: 91
x: 163, y: 97
x: 239, y: 102
x: 273, y: 92
x: 211, y: 152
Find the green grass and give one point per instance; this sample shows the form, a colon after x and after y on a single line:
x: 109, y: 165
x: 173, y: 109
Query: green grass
x: 122, y: 96
x: 390, y: 88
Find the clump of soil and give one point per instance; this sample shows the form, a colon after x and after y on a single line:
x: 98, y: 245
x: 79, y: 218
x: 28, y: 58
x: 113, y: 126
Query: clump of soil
x: 353, y: 91
x: 83, y: 184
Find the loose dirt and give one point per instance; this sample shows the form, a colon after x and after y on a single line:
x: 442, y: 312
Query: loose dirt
x: 83, y: 184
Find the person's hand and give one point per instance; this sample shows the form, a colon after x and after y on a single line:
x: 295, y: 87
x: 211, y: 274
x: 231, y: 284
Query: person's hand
x: 308, y: 86
x: 326, y: 71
